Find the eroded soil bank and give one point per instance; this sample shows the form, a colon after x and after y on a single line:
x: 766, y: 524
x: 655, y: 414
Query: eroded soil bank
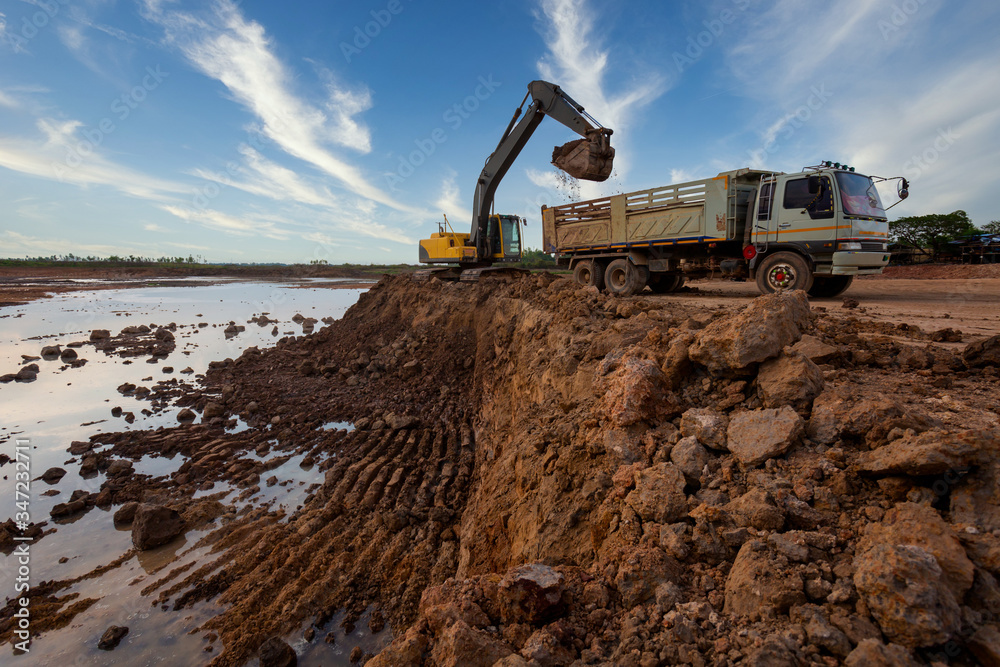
x: 542, y: 474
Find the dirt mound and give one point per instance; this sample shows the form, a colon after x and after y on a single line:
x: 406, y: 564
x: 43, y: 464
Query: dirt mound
x: 541, y: 474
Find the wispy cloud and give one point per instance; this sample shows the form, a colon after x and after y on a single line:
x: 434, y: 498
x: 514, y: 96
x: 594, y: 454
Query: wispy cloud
x: 579, y: 62
x: 450, y: 202
x: 890, y: 98
x: 237, y: 52
x: 224, y: 222
x: 59, y: 157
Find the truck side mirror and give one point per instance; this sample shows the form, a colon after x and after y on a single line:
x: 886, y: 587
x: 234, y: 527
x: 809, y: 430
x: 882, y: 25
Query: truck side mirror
x: 813, y: 184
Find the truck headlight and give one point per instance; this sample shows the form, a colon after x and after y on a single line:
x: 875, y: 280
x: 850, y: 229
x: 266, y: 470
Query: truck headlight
x: 850, y: 245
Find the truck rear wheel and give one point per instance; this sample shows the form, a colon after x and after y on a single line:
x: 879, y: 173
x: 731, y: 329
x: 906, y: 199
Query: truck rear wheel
x: 784, y: 271
x: 824, y: 286
x: 623, y: 278
x: 589, y: 274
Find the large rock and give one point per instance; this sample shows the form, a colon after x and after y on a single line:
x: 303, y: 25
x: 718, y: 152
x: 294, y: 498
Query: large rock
x: 154, y: 525
x: 930, y: 453
x: 706, y: 424
x: 873, y: 653
x: 756, y: 508
x: 690, y: 457
x: 645, y: 570
x: 985, y: 645
x: 112, y: 637
x: 982, y: 353
x: 531, y: 593
x: 462, y: 645
x: 922, y: 526
x: 974, y: 498
x: 839, y: 413
x: 275, y: 652
x: 758, y: 586
x: 815, y: 350
x: 905, y: 590
x: 757, y: 334
x: 405, y: 651
x: 638, y: 391
x: 659, y: 494
x: 758, y: 435
x: 791, y: 379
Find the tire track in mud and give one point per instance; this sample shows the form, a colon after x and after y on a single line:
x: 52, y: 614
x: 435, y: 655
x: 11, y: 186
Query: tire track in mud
x: 380, y: 528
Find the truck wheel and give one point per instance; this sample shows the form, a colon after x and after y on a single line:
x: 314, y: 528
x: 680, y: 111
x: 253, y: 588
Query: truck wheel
x: 832, y: 286
x: 665, y: 283
x: 623, y: 278
x: 784, y: 271
x: 589, y: 274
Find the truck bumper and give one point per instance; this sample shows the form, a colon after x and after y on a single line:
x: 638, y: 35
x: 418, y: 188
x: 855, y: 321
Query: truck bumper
x: 857, y: 263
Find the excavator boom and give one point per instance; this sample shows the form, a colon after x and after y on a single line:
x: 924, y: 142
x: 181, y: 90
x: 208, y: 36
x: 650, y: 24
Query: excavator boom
x: 496, y: 238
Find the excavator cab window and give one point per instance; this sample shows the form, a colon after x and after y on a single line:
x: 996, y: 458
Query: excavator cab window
x: 511, y: 237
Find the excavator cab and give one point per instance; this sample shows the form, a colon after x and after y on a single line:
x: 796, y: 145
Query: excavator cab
x: 504, y: 236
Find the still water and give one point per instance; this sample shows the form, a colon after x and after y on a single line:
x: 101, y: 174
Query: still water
x: 65, y: 404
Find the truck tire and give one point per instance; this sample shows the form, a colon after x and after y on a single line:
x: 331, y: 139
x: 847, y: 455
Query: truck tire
x: 589, y: 274
x: 664, y: 283
x: 824, y: 286
x: 623, y: 278
x: 784, y: 271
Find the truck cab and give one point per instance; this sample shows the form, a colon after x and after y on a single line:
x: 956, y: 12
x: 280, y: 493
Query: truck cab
x: 831, y: 217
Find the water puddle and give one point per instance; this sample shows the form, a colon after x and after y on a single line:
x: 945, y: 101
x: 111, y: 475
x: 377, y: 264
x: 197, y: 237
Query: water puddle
x: 66, y: 404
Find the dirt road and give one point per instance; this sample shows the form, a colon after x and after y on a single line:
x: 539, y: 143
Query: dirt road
x: 972, y: 306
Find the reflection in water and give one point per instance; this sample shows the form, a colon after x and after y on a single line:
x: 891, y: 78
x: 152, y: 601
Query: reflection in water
x: 66, y: 404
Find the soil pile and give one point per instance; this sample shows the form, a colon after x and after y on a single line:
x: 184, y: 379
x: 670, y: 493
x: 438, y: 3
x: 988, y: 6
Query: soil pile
x: 542, y: 474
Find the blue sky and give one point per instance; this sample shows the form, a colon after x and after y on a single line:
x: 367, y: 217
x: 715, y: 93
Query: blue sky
x: 289, y: 132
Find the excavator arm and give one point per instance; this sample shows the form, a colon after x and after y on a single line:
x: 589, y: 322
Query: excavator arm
x: 590, y: 158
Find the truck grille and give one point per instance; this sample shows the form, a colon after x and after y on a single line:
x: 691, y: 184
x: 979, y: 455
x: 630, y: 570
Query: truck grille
x: 872, y: 246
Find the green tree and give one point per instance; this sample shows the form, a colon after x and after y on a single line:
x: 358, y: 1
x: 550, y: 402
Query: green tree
x: 536, y: 259
x: 992, y: 227
x: 932, y: 231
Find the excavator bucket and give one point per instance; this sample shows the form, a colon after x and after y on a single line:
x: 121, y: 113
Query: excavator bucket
x: 591, y: 159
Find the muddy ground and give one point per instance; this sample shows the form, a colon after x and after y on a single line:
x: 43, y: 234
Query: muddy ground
x: 541, y: 474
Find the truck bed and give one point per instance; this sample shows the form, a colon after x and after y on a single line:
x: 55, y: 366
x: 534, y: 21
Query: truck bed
x: 702, y: 211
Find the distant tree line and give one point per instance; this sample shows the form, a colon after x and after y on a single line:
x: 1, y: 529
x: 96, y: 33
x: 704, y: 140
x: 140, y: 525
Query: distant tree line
x: 936, y: 232
x: 116, y: 259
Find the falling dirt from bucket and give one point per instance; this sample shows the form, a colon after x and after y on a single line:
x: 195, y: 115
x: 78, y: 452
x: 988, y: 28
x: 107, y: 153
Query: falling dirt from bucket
x: 591, y: 159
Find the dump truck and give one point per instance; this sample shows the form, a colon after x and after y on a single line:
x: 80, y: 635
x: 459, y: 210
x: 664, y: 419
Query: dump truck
x: 812, y: 230
x: 496, y: 238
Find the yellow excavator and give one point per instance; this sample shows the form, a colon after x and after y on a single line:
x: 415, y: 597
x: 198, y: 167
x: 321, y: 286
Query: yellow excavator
x: 496, y: 239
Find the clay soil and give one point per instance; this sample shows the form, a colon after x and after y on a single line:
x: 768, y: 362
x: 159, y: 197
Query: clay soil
x: 542, y: 474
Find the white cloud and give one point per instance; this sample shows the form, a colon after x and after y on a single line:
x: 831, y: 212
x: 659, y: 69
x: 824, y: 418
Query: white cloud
x: 153, y: 227
x: 238, y: 53
x: 224, y: 222
x: 578, y: 62
x: 450, y: 204
x: 890, y: 95
x: 6, y: 100
x: 68, y: 157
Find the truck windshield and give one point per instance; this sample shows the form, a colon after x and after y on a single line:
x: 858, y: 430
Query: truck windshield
x: 859, y: 195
